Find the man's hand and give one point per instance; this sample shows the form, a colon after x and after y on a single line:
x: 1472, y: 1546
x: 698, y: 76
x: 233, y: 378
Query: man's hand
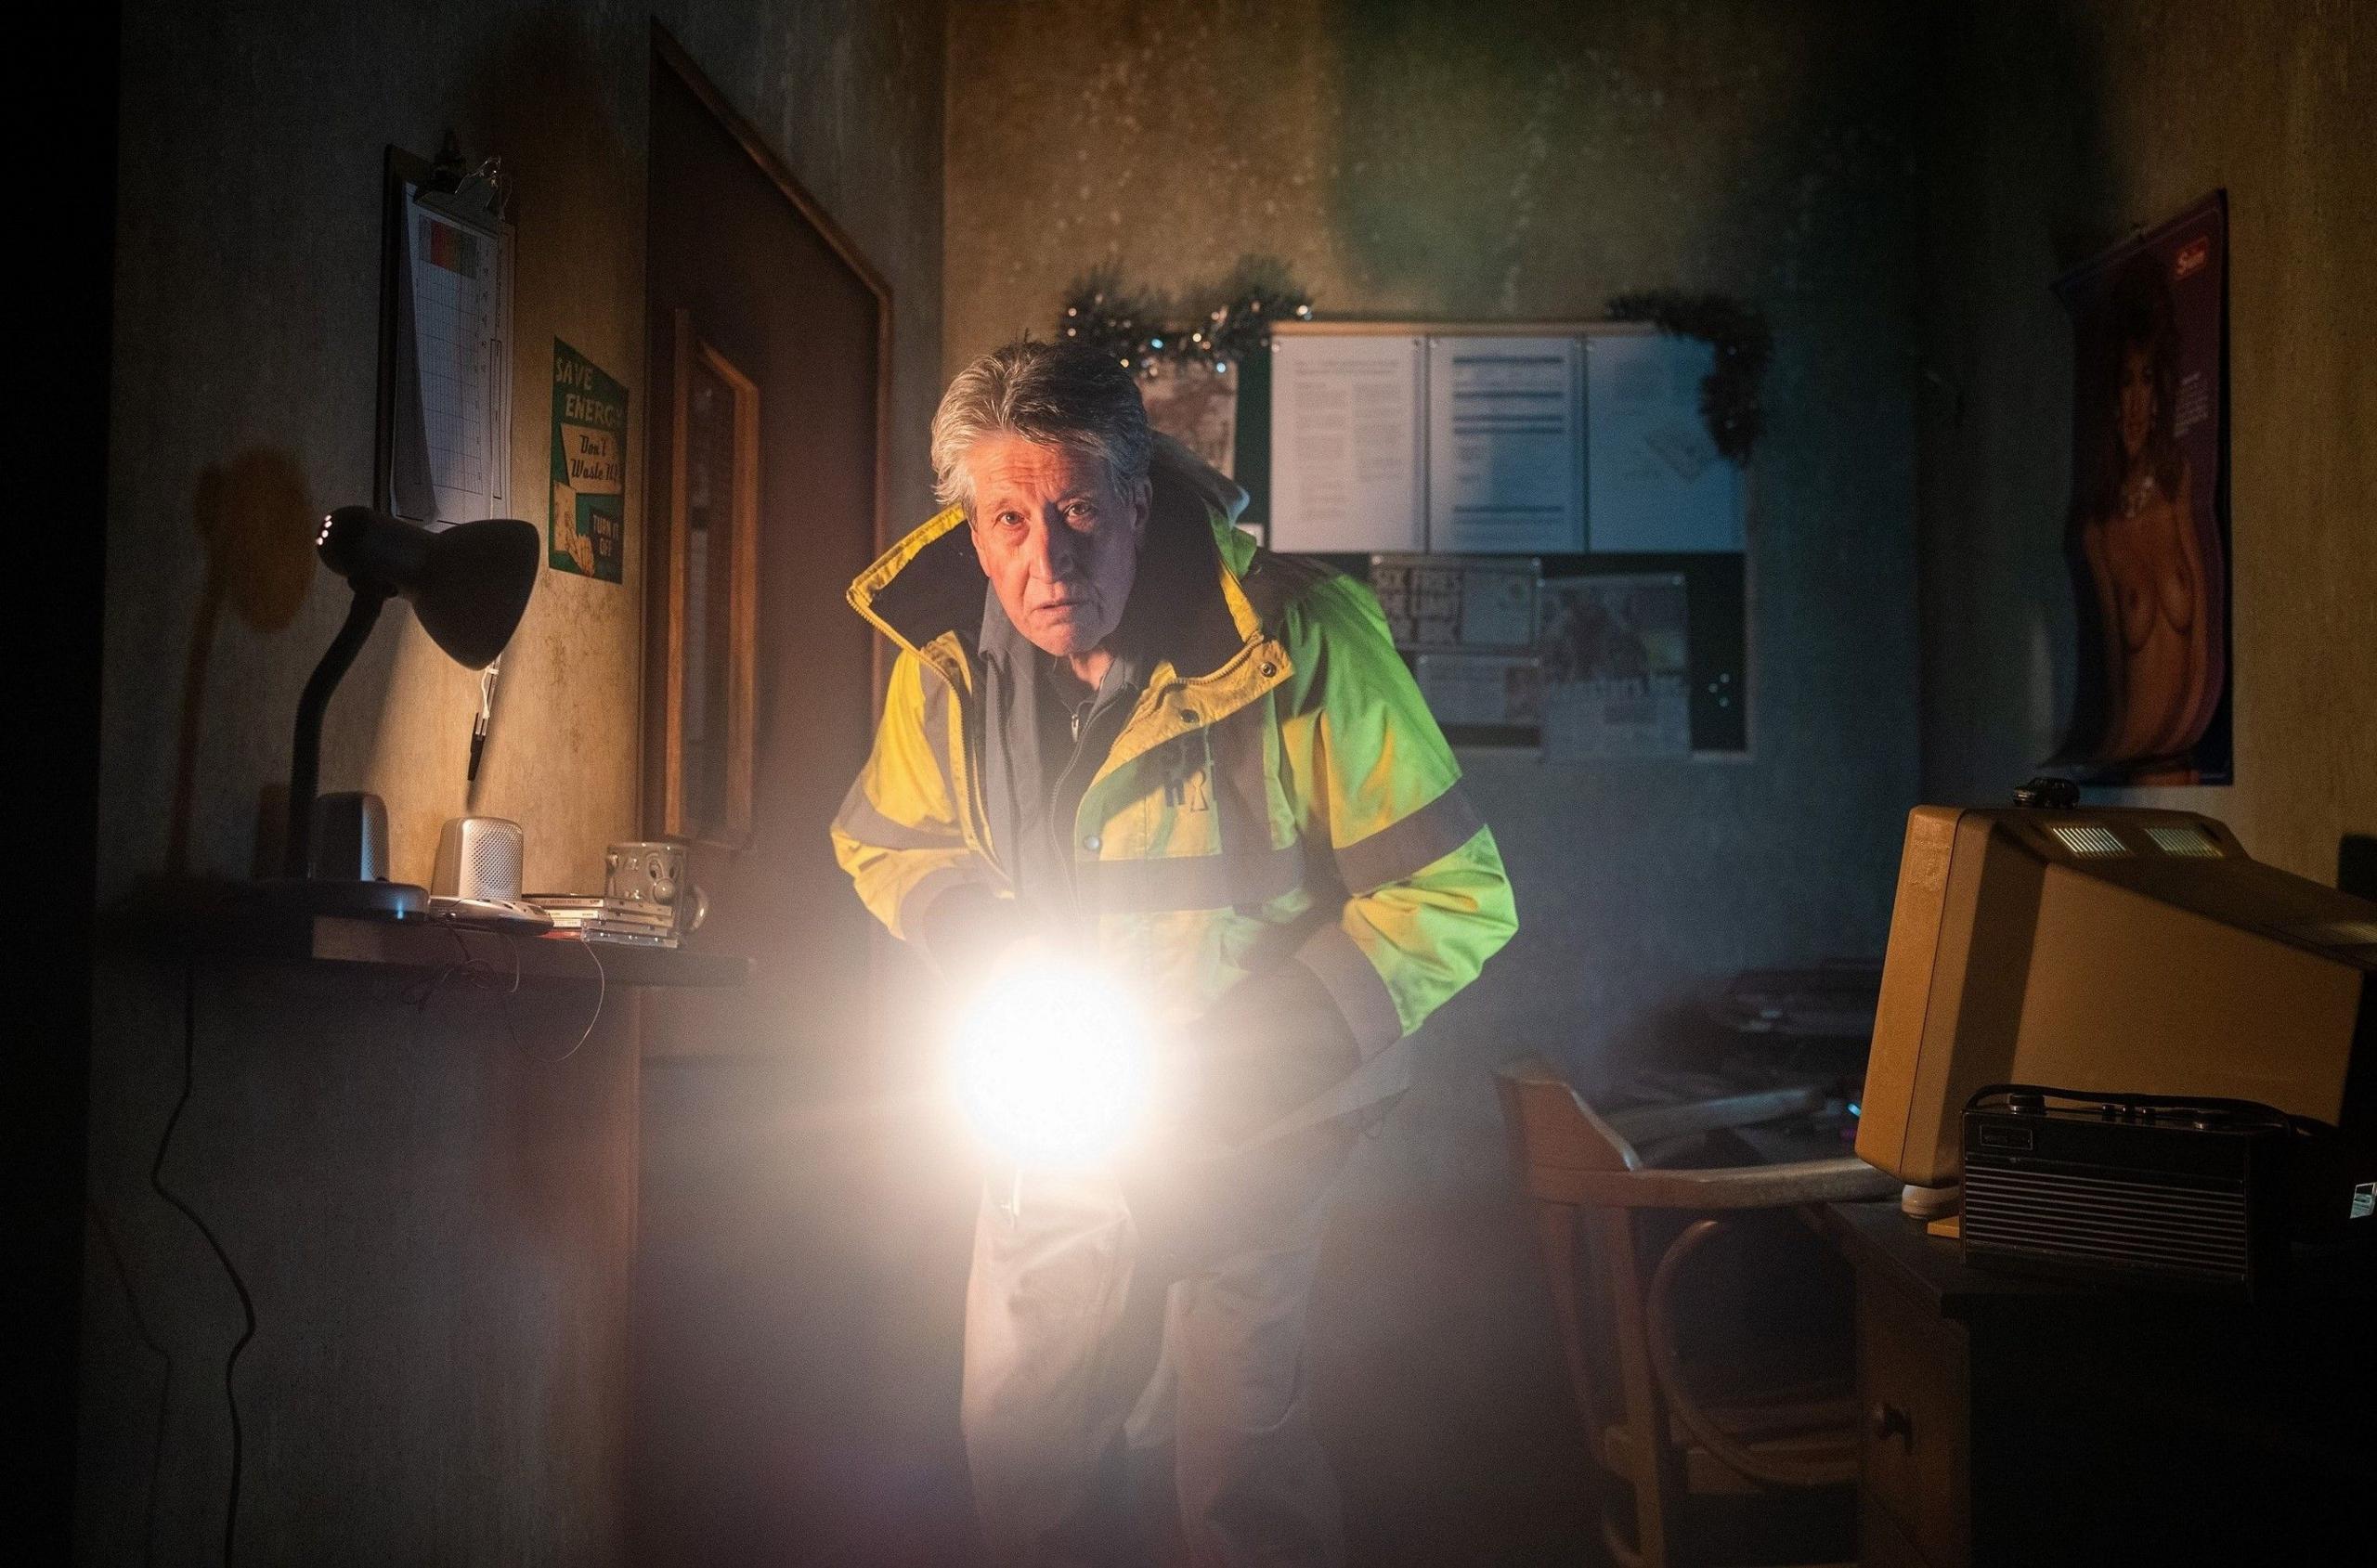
x: 1271, y: 1046
x: 1275, y: 1042
x: 967, y: 932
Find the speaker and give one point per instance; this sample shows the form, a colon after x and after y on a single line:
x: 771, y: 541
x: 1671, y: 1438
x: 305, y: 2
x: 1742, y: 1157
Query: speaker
x: 349, y: 841
x: 479, y: 858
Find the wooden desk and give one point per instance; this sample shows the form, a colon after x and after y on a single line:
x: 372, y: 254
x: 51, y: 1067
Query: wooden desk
x: 2018, y: 1419
x: 2021, y: 1419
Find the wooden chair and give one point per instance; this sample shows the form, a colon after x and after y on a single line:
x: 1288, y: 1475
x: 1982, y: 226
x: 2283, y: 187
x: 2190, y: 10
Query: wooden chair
x: 1594, y: 1197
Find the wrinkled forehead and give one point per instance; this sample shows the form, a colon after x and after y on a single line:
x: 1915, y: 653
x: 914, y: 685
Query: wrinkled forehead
x: 1027, y: 468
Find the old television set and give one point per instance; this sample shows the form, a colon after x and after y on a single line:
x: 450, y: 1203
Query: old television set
x: 2115, y: 951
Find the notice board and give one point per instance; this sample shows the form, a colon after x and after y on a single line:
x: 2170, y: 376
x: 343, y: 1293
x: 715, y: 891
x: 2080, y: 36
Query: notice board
x: 1373, y: 445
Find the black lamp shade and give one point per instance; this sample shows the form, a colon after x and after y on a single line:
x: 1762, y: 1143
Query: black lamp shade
x: 469, y: 584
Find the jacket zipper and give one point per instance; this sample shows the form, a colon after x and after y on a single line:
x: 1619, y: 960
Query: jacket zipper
x: 972, y: 741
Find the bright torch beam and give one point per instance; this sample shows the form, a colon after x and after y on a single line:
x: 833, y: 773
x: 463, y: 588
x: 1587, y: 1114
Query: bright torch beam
x: 1055, y: 1063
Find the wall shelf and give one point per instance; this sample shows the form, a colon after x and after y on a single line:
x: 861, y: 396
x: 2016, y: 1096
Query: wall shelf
x: 222, y: 923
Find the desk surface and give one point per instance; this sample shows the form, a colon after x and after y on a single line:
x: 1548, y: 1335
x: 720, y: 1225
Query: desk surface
x: 211, y: 923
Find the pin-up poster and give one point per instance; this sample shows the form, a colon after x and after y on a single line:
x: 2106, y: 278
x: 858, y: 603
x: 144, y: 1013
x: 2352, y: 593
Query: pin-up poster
x: 2148, y: 534
x: 588, y: 534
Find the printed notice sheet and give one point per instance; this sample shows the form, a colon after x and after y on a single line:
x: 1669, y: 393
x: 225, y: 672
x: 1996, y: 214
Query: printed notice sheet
x: 1615, y: 667
x: 1505, y: 445
x: 1455, y: 602
x: 1655, y: 481
x: 1480, y: 689
x: 1346, y: 436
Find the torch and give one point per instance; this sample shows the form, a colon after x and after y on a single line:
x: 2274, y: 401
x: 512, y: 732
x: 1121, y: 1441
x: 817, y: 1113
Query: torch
x: 1055, y: 1062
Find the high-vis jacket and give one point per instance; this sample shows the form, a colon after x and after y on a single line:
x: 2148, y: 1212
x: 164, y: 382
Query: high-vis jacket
x: 1286, y: 796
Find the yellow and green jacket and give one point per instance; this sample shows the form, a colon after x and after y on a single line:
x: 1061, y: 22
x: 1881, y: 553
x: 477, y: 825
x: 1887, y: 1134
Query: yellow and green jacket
x: 1279, y: 794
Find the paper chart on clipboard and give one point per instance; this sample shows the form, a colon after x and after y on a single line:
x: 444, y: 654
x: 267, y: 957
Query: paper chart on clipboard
x: 450, y: 445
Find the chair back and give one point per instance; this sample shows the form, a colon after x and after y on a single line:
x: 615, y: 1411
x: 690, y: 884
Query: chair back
x: 1552, y: 1129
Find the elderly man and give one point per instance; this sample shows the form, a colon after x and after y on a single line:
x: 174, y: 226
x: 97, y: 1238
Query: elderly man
x: 1118, y: 730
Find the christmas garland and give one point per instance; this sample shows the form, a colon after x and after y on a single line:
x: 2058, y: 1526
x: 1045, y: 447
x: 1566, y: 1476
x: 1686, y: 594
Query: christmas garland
x: 1214, y: 327
x: 1743, y: 342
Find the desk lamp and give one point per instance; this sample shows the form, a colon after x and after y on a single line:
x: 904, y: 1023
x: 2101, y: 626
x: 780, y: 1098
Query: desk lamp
x: 469, y: 585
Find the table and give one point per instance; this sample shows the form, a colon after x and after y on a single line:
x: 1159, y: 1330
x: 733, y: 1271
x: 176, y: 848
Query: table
x: 2024, y: 1419
x: 2021, y: 1419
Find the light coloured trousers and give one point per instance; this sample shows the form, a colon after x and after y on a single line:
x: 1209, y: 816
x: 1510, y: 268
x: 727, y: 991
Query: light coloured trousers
x: 1099, y: 1334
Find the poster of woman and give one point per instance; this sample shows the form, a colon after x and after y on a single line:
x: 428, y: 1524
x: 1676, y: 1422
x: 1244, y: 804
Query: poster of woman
x: 2148, y: 534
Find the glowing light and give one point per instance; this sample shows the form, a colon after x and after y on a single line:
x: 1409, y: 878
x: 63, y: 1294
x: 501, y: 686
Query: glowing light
x: 1055, y: 1064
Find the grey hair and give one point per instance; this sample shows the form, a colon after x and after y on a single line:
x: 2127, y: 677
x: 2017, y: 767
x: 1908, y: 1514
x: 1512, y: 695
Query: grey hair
x: 1057, y: 393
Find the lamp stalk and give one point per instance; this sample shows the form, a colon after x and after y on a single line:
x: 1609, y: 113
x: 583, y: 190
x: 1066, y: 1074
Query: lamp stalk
x: 306, y: 753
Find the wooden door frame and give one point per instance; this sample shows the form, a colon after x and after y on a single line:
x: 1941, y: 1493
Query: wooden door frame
x: 658, y: 573
x: 741, y: 561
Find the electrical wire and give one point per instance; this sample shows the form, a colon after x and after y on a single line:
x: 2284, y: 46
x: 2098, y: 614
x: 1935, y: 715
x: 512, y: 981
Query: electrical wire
x: 123, y: 1272
x: 601, y: 988
x: 474, y: 971
x: 247, y: 1303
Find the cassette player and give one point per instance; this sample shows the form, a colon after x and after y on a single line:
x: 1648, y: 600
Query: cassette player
x: 2209, y: 1194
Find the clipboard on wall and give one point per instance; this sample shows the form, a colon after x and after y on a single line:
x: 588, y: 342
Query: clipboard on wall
x: 444, y: 442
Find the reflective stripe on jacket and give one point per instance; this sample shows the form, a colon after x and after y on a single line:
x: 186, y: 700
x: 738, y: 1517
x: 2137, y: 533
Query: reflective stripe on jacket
x: 1292, y: 801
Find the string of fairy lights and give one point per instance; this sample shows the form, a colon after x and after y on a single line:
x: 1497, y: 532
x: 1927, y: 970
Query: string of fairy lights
x: 1214, y: 328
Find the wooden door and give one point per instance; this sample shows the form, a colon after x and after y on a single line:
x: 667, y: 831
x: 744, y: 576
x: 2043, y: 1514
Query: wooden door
x: 797, y: 1280
x: 751, y: 290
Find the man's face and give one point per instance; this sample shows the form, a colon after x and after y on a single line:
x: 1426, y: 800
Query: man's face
x: 1059, y: 543
x: 2137, y: 399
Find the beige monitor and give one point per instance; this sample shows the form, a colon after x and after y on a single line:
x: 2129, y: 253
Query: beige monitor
x: 2114, y: 951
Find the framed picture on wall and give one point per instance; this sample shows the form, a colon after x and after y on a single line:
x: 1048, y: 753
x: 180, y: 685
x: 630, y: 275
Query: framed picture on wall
x: 711, y: 634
